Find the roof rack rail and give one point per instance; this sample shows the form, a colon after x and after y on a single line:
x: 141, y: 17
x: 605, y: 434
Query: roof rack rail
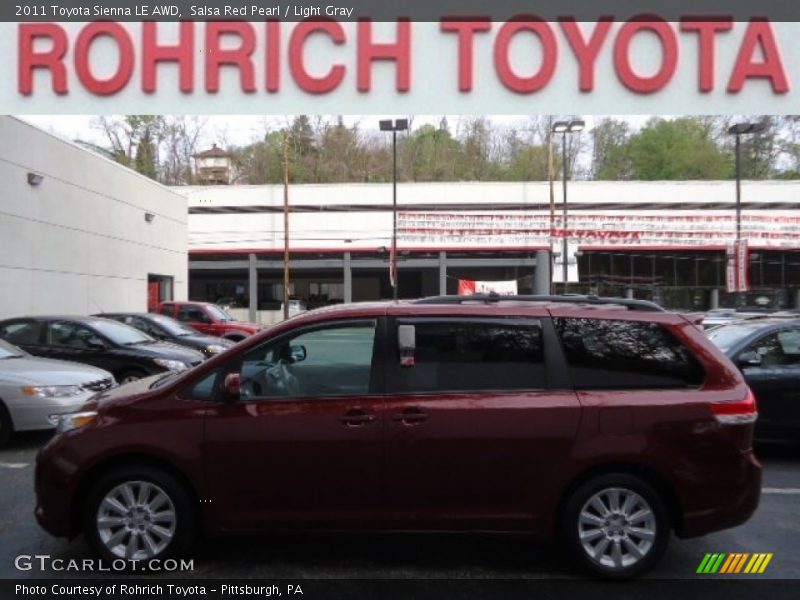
x: 493, y: 298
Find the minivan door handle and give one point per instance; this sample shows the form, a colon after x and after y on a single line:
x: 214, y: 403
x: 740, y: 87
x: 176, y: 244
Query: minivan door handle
x: 356, y: 418
x: 410, y: 416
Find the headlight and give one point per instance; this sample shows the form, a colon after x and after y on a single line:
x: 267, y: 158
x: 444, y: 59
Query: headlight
x: 215, y: 348
x: 52, y: 391
x: 176, y: 366
x: 72, y: 420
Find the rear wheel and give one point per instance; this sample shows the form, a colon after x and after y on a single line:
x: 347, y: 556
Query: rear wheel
x: 616, y: 526
x: 138, y: 513
x: 6, y: 425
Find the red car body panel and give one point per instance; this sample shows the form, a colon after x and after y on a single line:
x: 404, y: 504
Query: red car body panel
x: 214, y: 327
x: 492, y: 461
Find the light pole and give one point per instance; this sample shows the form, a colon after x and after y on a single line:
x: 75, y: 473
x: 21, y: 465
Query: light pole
x: 394, y: 126
x: 738, y: 130
x: 565, y: 127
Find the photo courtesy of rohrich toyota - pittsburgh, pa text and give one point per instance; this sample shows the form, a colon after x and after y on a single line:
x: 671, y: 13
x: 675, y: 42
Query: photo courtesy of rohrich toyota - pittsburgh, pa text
x: 420, y: 300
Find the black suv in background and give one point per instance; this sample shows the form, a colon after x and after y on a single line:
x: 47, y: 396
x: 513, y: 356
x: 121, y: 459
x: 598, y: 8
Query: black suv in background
x: 171, y: 330
x: 127, y: 353
x: 767, y: 350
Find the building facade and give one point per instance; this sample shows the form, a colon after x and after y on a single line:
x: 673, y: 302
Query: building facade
x: 665, y: 241
x: 79, y: 233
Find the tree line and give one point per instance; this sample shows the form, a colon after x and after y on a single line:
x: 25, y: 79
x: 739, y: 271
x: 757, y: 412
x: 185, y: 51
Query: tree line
x: 329, y: 150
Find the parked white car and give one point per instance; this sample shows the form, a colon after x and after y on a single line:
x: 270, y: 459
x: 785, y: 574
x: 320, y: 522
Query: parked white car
x: 32, y: 389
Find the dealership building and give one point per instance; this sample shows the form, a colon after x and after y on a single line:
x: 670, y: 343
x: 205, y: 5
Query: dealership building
x: 80, y: 234
x: 666, y: 241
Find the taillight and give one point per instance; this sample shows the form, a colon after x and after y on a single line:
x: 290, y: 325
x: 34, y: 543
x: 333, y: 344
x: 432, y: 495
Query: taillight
x: 736, y: 413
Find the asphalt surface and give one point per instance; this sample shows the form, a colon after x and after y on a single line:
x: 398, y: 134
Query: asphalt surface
x: 774, y: 528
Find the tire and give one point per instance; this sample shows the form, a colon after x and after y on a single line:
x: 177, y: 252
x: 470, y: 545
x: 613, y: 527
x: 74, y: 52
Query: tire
x: 608, y: 543
x: 6, y: 426
x: 135, y: 534
x: 130, y: 375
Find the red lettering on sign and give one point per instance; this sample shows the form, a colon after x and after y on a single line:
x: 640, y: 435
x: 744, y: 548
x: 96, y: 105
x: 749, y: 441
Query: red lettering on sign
x: 51, y: 59
x: 635, y: 82
x: 181, y: 53
x: 502, y: 60
x: 466, y: 31
x: 87, y: 36
x: 706, y: 31
x: 399, y: 51
x: 759, y: 35
x: 315, y: 84
x: 586, y: 52
x: 239, y: 57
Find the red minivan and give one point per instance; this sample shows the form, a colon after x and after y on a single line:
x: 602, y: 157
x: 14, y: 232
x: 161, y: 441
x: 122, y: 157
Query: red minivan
x: 603, y: 424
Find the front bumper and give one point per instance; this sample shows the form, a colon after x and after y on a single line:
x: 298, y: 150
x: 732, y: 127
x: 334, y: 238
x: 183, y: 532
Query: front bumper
x: 31, y: 414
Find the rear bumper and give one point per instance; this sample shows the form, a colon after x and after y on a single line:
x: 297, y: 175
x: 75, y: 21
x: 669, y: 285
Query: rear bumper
x: 727, y: 505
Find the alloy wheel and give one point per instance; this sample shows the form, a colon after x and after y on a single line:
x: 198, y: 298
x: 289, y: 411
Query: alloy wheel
x: 136, y: 520
x: 616, y: 528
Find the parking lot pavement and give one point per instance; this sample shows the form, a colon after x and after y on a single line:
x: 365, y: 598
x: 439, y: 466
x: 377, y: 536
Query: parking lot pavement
x: 774, y: 528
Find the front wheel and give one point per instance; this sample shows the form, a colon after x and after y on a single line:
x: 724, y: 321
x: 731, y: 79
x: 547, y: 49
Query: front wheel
x: 138, y: 513
x: 616, y: 526
x: 130, y: 375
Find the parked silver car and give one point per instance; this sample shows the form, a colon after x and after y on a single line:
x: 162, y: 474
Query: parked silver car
x: 32, y: 389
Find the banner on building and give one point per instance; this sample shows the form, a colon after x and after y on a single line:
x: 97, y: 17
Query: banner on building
x: 738, y: 270
x: 557, y: 250
x: 467, y: 287
x: 533, y: 229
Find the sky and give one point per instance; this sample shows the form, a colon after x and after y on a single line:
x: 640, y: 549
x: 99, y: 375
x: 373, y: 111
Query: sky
x: 239, y: 130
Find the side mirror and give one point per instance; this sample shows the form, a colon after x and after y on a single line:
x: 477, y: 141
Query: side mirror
x: 232, y: 386
x: 406, y: 344
x: 297, y: 353
x: 749, y: 359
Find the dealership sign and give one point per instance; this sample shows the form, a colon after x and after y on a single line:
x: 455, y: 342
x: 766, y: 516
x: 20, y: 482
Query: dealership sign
x: 642, y: 64
x: 597, y: 230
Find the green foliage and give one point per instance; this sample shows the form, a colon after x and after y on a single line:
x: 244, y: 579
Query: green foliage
x: 679, y: 149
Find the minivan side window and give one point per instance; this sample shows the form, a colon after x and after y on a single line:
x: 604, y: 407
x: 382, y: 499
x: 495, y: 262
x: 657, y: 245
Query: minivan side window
x: 616, y: 354
x: 22, y: 333
x: 334, y: 361
x: 474, y: 356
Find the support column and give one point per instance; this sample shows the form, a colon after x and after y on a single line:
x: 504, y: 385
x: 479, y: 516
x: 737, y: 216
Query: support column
x: 252, y: 271
x: 629, y: 293
x: 714, y: 299
x: 797, y: 299
x: 348, y: 279
x: 541, y: 274
x: 442, y: 273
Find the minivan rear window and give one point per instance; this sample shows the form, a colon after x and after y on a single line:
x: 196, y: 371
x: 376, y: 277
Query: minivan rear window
x: 616, y: 354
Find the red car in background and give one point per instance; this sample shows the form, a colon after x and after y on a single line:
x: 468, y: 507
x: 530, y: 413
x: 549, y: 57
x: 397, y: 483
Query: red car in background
x: 210, y: 319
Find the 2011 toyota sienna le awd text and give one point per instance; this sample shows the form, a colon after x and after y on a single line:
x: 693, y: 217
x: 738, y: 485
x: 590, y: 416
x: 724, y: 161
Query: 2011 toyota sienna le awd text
x: 603, y: 424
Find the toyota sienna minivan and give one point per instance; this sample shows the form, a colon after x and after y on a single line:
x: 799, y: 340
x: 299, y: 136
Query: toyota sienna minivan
x: 602, y: 424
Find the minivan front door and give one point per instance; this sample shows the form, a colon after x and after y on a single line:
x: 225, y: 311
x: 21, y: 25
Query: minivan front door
x: 302, y: 446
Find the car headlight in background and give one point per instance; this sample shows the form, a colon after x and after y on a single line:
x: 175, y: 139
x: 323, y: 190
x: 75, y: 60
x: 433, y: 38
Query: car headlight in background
x: 71, y: 421
x: 215, y: 348
x: 176, y: 366
x: 52, y: 391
